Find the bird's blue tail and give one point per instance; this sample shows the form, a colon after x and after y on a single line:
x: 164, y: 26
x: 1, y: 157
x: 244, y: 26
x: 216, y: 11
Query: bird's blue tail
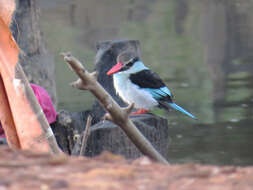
x: 177, y: 107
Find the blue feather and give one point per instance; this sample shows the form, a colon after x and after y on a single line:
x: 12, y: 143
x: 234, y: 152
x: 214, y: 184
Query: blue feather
x: 163, y: 92
x: 159, y: 93
x: 177, y: 107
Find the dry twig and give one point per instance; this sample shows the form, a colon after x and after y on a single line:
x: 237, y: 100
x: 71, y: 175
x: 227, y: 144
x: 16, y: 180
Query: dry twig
x: 118, y: 115
x: 86, y: 134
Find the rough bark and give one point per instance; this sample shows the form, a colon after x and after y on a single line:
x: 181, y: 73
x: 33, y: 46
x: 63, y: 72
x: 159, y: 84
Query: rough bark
x: 29, y: 171
x: 68, y: 129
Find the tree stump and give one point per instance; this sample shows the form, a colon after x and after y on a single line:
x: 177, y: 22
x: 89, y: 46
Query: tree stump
x: 106, y: 136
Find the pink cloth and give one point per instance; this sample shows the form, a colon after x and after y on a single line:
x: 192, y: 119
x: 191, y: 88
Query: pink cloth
x: 45, y: 103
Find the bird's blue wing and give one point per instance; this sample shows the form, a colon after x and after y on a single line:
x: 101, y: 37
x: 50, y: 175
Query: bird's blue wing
x: 163, y: 96
x: 159, y: 93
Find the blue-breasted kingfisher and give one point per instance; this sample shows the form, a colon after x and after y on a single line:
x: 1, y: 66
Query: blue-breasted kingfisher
x: 136, y: 83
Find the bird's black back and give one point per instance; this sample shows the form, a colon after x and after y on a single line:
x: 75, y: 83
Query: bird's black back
x: 146, y: 79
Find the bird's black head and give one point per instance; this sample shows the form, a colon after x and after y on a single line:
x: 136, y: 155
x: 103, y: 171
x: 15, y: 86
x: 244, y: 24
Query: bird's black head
x: 125, y: 61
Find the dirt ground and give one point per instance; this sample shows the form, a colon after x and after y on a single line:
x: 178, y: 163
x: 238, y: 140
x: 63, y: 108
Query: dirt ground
x: 26, y: 170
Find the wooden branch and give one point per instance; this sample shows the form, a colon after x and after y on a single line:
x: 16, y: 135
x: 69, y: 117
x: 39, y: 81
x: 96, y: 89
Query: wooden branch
x: 48, y: 135
x: 86, y: 134
x: 116, y: 114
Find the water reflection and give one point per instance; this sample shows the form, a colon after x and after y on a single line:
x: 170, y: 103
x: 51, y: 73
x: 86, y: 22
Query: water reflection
x: 201, y: 48
x: 225, y: 143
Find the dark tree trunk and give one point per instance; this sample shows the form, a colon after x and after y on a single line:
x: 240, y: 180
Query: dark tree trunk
x: 72, y: 13
x: 181, y: 11
x: 36, y: 61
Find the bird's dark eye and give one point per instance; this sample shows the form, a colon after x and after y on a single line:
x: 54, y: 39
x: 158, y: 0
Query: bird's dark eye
x: 130, y: 64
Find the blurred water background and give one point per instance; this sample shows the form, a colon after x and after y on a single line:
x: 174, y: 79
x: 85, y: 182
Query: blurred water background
x: 201, y: 48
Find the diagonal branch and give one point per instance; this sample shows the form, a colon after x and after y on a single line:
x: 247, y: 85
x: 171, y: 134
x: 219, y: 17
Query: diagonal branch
x: 118, y: 115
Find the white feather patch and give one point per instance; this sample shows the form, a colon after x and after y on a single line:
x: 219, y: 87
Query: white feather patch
x: 131, y: 93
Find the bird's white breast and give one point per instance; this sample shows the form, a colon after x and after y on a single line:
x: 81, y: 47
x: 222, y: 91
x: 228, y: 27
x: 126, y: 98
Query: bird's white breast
x: 131, y: 93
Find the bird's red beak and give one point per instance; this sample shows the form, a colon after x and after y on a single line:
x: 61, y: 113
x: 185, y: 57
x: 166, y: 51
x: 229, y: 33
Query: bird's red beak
x: 115, y: 68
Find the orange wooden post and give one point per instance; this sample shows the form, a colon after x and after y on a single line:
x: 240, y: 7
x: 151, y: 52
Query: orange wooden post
x: 7, y: 119
x: 21, y: 115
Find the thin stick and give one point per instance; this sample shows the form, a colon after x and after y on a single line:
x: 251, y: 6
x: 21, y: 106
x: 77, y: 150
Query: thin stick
x: 86, y: 134
x: 118, y: 115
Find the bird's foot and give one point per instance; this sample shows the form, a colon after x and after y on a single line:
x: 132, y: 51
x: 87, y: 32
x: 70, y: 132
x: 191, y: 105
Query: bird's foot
x: 140, y: 111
